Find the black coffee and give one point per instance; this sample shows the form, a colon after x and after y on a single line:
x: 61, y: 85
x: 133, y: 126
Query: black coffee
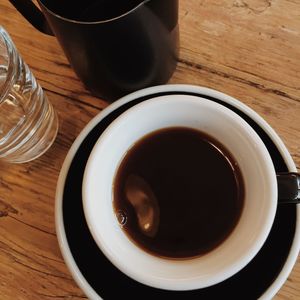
x: 178, y: 193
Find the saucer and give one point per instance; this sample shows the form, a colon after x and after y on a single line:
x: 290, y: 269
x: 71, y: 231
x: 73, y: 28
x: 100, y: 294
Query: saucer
x: 99, y: 279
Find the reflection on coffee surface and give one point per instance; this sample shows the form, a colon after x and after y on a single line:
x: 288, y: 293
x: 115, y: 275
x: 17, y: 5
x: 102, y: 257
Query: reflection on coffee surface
x: 178, y: 193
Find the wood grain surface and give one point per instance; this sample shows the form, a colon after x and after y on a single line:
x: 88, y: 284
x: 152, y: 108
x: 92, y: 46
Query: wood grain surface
x: 249, y: 49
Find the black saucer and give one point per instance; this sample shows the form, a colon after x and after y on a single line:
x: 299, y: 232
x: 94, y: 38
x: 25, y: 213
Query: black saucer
x: 109, y: 283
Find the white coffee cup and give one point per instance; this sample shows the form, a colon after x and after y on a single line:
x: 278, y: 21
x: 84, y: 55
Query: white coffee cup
x: 242, y: 142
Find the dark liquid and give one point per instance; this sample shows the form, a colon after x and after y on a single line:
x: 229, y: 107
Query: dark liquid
x: 186, y: 186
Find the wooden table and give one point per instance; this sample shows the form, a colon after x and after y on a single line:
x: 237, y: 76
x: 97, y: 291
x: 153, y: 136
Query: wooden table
x: 249, y: 49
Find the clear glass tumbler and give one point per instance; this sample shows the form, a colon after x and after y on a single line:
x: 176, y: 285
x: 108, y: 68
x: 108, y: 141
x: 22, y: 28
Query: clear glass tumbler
x: 28, y: 122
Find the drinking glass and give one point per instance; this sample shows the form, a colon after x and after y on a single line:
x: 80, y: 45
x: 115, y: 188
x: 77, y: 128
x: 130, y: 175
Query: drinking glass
x: 28, y: 122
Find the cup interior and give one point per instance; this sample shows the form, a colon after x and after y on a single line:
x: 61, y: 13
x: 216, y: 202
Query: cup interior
x: 260, y: 192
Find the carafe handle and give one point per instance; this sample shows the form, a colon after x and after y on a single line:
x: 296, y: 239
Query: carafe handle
x: 32, y: 14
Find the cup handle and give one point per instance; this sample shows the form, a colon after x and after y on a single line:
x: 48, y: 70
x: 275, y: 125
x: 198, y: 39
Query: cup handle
x: 288, y: 187
x: 32, y: 14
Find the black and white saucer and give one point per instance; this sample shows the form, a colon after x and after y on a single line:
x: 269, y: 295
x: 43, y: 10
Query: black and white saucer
x: 99, y: 279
